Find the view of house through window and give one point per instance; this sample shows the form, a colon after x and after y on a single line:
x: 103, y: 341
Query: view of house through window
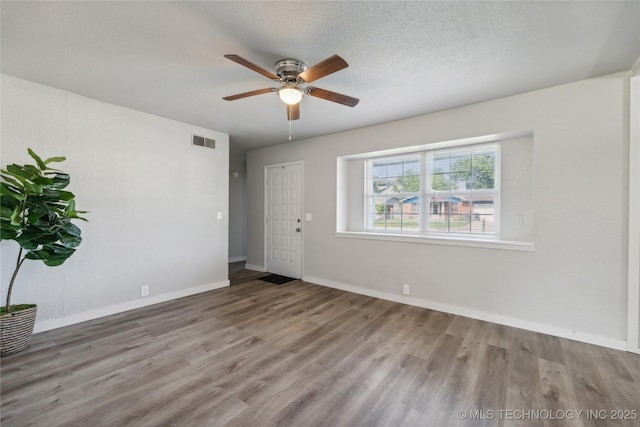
x: 395, y: 187
x: 452, y: 191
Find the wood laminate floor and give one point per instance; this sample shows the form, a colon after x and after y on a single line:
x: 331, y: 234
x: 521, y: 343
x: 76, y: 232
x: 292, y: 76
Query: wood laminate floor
x: 258, y: 354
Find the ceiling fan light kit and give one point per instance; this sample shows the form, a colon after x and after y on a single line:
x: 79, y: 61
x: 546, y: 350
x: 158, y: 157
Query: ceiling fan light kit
x: 293, y: 75
x: 290, y: 94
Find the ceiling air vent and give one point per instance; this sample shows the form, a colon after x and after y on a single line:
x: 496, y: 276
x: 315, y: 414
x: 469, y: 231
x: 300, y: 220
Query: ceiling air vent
x: 203, y: 142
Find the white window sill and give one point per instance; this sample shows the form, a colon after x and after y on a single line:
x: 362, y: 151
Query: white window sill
x: 435, y: 240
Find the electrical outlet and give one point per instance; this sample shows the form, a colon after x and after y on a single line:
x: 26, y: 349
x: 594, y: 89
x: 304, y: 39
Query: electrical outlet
x: 519, y: 219
x: 406, y: 289
x: 144, y: 291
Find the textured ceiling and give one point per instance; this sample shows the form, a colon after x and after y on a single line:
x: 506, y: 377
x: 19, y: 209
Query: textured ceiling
x: 405, y: 58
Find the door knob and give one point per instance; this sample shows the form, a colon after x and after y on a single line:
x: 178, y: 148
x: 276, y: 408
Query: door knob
x: 298, y: 229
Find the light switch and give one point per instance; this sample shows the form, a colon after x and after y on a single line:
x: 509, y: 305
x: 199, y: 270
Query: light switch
x: 219, y: 215
x: 307, y: 217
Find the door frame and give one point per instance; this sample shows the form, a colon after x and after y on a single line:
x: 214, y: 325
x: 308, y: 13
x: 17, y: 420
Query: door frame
x: 266, y: 211
x: 633, y: 260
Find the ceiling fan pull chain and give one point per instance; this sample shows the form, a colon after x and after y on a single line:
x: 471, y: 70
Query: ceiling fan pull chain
x: 290, y: 107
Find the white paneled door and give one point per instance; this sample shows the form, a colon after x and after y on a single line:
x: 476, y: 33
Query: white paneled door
x: 284, y: 219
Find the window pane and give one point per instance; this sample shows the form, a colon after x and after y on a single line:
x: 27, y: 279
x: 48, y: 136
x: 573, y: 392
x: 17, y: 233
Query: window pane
x: 440, y: 182
x: 395, y: 176
x: 379, y: 185
x: 440, y: 163
x: 377, y: 221
x: 461, y: 168
x: 411, y: 204
x: 483, y: 214
x: 394, y: 168
x: 393, y: 213
x: 394, y: 221
x: 450, y: 214
x: 439, y: 213
x: 394, y: 184
x: 379, y: 169
x: 411, y: 183
x: 411, y: 176
x: 411, y: 167
x: 411, y: 213
x: 459, y: 219
x: 483, y: 169
x: 459, y: 181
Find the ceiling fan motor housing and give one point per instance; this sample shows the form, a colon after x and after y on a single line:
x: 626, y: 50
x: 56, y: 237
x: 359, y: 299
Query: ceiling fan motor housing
x: 288, y: 69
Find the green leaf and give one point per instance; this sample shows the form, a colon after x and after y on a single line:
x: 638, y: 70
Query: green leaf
x: 60, y: 180
x: 17, y: 172
x: 69, y: 240
x: 7, y: 234
x: 6, y: 212
x: 51, y: 255
x: 42, y: 180
x: 28, y: 245
x: 28, y: 172
x: 55, y: 160
x: 16, y: 217
x: 5, y: 190
x: 54, y: 262
x: 38, y: 160
x: 67, y: 196
x: 72, y: 229
x: 33, y: 233
x: 33, y: 188
x: 36, y: 213
x: 57, y: 208
x: 13, y: 182
x: 74, y: 215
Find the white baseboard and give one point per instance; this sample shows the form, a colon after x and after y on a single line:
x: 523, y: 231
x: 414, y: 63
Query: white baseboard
x: 616, y: 344
x: 47, y: 325
x: 237, y: 259
x: 255, y: 267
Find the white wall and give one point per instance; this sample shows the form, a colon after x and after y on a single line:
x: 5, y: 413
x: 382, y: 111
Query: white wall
x: 152, y: 197
x: 237, y: 211
x: 575, y: 282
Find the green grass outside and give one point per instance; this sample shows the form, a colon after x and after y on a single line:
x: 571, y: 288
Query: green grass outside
x: 397, y: 224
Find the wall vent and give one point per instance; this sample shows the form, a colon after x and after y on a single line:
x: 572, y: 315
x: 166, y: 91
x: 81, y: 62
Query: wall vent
x: 203, y: 142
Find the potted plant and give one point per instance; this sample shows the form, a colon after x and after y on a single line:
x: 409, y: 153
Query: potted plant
x: 36, y: 212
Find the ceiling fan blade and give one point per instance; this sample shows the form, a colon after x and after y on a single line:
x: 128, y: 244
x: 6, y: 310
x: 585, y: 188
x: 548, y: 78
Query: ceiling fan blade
x: 333, y: 96
x: 293, y: 112
x: 247, y: 94
x: 252, y: 66
x: 324, y: 68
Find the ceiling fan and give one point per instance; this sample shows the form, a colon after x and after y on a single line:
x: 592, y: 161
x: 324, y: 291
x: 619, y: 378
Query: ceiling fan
x: 293, y: 75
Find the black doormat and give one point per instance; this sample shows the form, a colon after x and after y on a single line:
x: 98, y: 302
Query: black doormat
x: 277, y: 279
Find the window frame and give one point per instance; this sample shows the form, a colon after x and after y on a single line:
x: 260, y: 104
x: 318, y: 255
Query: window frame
x: 370, y: 195
x: 426, y: 192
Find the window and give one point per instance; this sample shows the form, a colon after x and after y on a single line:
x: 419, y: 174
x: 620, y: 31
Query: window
x: 394, y: 193
x: 448, y: 191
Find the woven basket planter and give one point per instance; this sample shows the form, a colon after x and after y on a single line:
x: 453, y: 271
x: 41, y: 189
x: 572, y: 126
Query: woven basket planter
x: 16, y: 329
